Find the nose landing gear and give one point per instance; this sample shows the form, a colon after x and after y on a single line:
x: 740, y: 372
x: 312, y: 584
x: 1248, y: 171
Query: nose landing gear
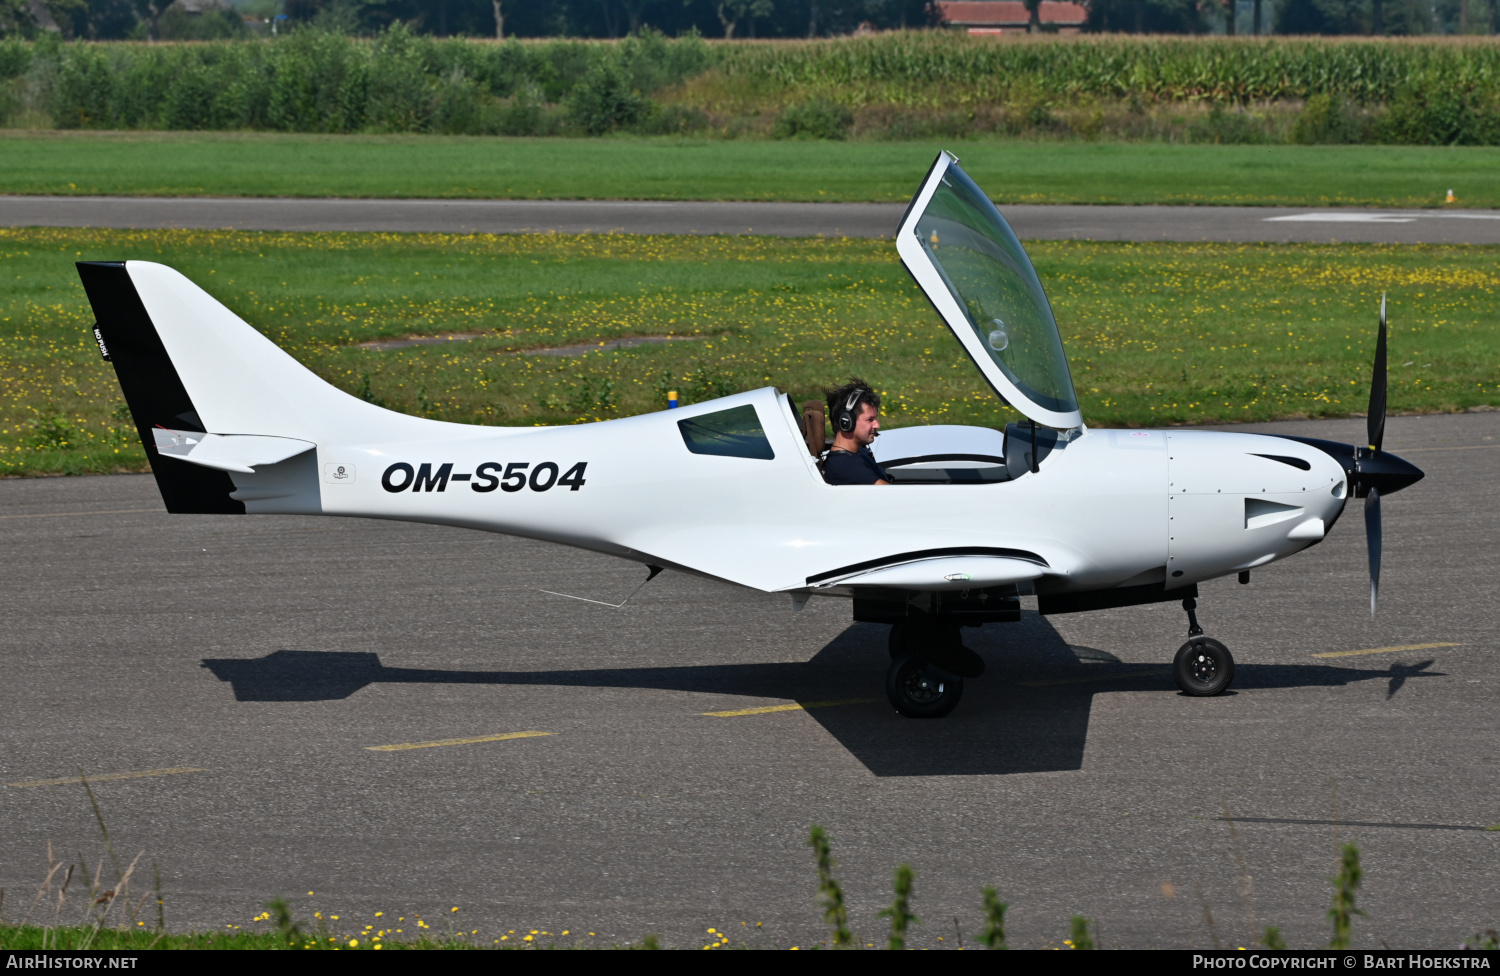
x: 1203, y: 667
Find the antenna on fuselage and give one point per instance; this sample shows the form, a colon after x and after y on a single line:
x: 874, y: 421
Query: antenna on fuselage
x: 655, y: 571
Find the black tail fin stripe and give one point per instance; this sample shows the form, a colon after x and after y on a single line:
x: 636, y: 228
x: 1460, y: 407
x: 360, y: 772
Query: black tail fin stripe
x: 153, y: 390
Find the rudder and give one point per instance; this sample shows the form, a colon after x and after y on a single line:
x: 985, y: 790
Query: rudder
x: 153, y: 390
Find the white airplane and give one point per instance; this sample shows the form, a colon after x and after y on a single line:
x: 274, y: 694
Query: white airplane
x: 732, y: 489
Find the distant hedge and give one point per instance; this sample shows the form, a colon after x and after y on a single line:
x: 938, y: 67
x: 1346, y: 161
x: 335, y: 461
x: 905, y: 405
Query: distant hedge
x: 307, y: 81
x: 310, y: 81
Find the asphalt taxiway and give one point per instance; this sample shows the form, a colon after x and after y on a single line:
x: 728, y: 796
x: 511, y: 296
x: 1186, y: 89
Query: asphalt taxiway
x: 289, y: 705
x: 873, y: 220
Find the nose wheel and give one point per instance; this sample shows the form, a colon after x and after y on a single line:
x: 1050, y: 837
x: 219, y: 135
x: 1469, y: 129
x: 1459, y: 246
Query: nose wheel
x: 1203, y: 667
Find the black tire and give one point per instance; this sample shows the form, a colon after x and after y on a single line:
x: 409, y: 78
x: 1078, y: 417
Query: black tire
x: 1203, y: 667
x: 900, y: 642
x: 919, y: 690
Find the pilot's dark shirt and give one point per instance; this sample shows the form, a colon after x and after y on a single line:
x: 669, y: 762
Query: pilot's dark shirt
x: 844, y: 468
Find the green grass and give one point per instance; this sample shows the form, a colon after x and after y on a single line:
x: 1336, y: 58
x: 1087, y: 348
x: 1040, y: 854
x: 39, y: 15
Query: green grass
x: 1156, y: 333
x: 266, y: 164
x: 18, y: 938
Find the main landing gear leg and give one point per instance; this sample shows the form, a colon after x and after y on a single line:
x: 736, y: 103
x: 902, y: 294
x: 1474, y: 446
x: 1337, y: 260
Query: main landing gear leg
x: 928, y: 667
x: 1203, y: 666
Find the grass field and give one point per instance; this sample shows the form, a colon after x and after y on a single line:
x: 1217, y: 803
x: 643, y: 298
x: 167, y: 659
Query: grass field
x: 20, y: 938
x: 266, y: 164
x: 1156, y: 333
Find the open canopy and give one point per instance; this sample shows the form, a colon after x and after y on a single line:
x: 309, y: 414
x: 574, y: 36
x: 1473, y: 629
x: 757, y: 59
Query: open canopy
x: 967, y: 260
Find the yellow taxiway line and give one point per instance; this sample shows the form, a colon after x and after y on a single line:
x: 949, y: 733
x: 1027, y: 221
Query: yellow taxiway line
x: 169, y: 771
x: 403, y: 746
x: 796, y: 707
x: 1384, y: 650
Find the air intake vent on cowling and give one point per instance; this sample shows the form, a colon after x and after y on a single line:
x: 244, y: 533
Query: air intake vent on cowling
x: 1260, y: 513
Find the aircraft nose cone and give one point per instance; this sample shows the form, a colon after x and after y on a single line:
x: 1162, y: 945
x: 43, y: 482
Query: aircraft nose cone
x: 1385, y: 473
x: 1366, y: 469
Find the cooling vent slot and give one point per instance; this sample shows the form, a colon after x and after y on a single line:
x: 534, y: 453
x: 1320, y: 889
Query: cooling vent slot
x: 1260, y: 513
x: 1293, y: 461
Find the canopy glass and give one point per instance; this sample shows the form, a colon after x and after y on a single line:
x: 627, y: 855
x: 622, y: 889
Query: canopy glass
x: 995, y: 302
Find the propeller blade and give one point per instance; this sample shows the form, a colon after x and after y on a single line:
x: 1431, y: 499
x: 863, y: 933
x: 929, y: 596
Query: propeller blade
x: 1372, y: 540
x: 1375, y: 418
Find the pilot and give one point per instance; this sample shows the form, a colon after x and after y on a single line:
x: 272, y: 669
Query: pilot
x: 854, y: 409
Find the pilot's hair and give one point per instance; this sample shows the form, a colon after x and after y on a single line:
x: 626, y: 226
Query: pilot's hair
x: 839, y: 396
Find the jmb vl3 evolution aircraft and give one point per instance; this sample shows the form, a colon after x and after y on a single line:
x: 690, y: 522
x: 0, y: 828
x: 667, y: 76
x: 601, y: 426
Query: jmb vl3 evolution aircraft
x: 732, y: 488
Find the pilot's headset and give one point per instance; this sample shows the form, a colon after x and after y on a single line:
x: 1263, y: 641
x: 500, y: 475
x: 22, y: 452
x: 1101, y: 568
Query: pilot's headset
x: 848, y: 415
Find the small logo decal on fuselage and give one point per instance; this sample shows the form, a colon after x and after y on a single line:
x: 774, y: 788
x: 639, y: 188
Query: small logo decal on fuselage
x: 515, y: 476
x: 338, y: 474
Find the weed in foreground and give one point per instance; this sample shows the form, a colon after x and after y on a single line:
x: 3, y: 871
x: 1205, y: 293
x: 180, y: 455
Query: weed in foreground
x: 108, y: 919
x: 834, y: 911
x: 281, y: 917
x: 1341, y: 913
x: 1082, y: 938
x: 900, y: 911
x: 993, y: 935
x: 100, y: 907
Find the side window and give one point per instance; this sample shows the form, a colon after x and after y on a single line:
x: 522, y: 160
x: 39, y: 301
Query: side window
x: 727, y: 433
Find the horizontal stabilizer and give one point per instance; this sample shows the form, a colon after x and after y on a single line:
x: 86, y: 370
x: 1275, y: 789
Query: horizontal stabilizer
x: 239, y: 453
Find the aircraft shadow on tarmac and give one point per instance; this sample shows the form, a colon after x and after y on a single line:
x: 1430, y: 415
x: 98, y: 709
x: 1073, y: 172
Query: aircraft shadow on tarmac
x: 1028, y: 713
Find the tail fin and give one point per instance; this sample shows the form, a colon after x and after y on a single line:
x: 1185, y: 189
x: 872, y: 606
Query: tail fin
x: 187, y: 364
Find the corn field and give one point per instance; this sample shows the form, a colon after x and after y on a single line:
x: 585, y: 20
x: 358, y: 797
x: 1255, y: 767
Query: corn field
x: 915, y: 68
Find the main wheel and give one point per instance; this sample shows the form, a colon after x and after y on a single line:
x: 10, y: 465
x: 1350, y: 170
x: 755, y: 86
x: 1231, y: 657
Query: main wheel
x: 1203, y: 667
x: 919, y: 690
